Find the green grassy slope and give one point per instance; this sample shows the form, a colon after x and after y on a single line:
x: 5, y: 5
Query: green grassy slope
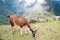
x: 45, y: 31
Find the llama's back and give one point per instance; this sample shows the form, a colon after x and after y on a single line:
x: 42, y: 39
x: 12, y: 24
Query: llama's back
x: 19, y: 20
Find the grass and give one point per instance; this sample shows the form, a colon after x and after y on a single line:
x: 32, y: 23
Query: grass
x: 45, y: 31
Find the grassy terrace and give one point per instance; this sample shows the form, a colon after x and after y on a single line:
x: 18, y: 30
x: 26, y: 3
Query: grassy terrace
x: 45, y: 31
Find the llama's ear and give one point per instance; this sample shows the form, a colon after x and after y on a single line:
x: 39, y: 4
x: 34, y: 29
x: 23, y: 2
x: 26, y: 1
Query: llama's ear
x: 35, y: 30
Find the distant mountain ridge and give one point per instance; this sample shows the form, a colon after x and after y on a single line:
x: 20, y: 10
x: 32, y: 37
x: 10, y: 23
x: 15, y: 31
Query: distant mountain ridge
x: 9, y: 7
x: 4, y: 11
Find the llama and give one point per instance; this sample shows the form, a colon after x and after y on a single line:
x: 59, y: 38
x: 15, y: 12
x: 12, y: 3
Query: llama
x: 21, y: 22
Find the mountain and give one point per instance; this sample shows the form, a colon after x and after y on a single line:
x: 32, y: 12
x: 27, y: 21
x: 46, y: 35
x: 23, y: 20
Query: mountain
x: 21, y: 7
x: 4, y: 11
x: 57, y: 7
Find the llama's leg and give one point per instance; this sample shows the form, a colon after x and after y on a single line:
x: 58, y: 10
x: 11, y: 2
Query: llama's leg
x: 25, y: 30
x: 13, y: 30
x: 12, y: 25
x: 21, y: 29
x: 28, y: 29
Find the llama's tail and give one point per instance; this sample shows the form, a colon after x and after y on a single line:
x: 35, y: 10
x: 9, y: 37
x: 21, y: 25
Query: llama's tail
x: 8, y: 16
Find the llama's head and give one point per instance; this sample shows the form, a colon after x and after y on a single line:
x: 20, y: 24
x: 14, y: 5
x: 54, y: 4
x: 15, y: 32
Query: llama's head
x: 34, y: 32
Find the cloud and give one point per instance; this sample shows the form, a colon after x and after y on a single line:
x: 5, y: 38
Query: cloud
x: 31, y: 1
x: 40, y: 1
x: 35, y: 8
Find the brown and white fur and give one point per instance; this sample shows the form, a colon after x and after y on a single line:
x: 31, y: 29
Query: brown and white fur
x: 21, y: 22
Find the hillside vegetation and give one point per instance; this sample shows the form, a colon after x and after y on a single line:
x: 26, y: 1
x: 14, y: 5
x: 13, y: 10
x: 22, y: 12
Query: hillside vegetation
x: 45, y: 31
